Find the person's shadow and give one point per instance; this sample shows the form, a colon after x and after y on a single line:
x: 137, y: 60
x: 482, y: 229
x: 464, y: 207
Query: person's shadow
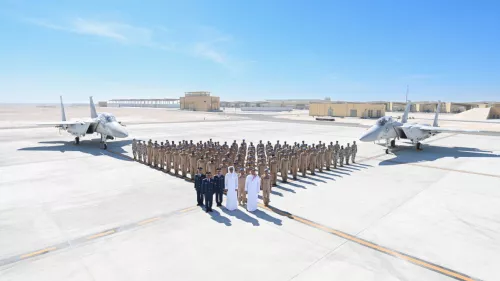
x: 274, y: 192
x: 284, y: 188
x: 241, y: 216
x: 302, y: 180
x: 323, y: 177
x: 296, y: 185
x: 350, y: 167
x: 314, y: 179
x: 216, y: 216
x: 264, y: 216
x: 339, y: 170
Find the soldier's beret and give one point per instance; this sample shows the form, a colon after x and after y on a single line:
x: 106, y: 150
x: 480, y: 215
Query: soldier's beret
x: 200, y: 168
x: 218, y: 169
x: 209, y: 173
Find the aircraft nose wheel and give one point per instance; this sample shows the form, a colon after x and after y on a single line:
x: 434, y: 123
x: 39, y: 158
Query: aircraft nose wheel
x: 77, y: 140
x: 419, y: 146
x: 104, y: 146
x: 393, y: 143
x: 387, y: 151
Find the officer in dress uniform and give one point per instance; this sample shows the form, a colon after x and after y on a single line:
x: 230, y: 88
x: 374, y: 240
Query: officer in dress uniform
x: 198, y: 180
x: 219, y: 182
x: 265, y: 186
x: 208, y: 188
x: 241, y: 187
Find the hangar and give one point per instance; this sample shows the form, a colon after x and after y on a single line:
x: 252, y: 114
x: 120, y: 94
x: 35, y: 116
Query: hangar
x: 347, y: 109
x: 200, y: 101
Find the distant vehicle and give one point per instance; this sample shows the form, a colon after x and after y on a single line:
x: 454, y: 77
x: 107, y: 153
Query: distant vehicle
x: 104, y: 124
x: 325, y: 119
x: 386, y: 128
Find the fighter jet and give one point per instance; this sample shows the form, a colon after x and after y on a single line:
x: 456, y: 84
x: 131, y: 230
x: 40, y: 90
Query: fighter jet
x: 104, y: 124
x: 386, y: 128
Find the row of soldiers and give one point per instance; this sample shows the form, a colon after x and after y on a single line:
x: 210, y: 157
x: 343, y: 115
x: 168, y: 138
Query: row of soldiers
x: 185, y: 157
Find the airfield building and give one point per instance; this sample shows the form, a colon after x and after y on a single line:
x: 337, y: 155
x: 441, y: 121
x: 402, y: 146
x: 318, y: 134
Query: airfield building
x: 347, y: 109
x: 272, y: 105
x: 200, y: 101
x: 154, y: 103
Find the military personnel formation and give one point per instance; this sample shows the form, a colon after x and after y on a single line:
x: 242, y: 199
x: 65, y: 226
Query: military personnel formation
x: 208, y: 163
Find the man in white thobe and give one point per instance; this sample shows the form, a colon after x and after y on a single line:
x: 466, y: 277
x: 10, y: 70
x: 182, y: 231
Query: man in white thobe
x: 231, y: 185
x: 252, y: 187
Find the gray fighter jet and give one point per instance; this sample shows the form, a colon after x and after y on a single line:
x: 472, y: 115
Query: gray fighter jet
x: 388, y: 129
x: 104, y: 124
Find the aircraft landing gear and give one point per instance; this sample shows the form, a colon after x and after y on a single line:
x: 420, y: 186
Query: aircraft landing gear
x: 103, y: 142
x: 387, y: 145
x: 419, y: 146
x: 77, y: 140
x: 393, y: 143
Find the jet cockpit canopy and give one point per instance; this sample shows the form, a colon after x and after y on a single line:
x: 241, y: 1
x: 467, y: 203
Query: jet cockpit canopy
x: 384, y: 120
x: 108, y: 118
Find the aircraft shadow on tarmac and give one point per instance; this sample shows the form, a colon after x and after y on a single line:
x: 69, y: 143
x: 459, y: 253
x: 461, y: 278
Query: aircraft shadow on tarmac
x: 432, y: 153
x: 88, y: 146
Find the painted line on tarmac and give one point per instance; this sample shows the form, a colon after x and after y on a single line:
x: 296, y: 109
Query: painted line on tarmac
x: 148, y: 221
x: 422, y: 263
x: 102, y: 234
x: 39, y: 252
x: 94, y: 237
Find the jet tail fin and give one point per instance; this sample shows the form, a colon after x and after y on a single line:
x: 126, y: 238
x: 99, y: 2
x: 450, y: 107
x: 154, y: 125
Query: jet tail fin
x: 63, y: 113
x: 93, y: 112
x: 404, y: 119
x: 435, y: 124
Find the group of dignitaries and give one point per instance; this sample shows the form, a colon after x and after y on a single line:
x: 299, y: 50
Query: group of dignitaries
x: 240, y: 171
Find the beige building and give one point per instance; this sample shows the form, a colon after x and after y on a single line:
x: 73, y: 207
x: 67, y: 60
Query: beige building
x: 200, y: 101
x: 347, y: 109
x: 287, y: 103
x: 155, y: 103
x: 431, y: 106
x: 494, y: 112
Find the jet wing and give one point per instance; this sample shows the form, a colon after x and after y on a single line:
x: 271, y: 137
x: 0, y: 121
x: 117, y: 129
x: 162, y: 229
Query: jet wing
x: 62, y: 123
x: 448, y: 130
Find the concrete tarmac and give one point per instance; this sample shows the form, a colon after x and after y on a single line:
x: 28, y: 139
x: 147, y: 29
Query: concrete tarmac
x: 80, y: 213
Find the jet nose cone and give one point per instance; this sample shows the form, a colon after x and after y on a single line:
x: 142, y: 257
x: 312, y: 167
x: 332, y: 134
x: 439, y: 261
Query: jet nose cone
x: 371, y: 135
x: 118, y: 131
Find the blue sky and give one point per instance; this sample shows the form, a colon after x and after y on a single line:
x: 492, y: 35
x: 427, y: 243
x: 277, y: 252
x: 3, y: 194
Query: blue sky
x: 355, y: 50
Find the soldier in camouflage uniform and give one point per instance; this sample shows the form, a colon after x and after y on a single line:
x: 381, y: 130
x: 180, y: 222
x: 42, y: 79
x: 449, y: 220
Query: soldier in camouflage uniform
x: 150, y: 152
x: 347, y: 154
x: 354, y: 149
x: 134, y: 148
x: 341, y: 156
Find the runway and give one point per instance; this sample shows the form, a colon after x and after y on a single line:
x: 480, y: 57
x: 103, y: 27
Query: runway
x: 80, y: 213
